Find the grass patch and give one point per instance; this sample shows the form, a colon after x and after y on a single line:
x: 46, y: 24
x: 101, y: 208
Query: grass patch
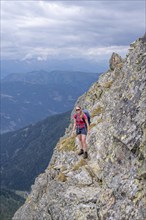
x: 92, y: 125
x: 97, y: 111
x: 99, y: 120
x: 61, y: 177
x: 107, y: 85
x: 67, y: 144
x: 81, y: 163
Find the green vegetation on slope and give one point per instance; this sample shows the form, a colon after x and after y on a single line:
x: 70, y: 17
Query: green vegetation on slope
x: 26, y: 153
x: 9, y: 203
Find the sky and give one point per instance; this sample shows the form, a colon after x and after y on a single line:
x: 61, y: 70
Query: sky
x: 68, y: 30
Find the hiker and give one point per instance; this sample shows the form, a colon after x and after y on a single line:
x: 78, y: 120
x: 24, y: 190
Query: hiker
x: 81, y: 125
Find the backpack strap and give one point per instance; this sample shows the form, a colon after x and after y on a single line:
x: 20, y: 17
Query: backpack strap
x: 84, y: 120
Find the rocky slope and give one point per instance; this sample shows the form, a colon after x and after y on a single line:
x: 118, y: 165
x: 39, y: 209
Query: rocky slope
x: 110, y: 184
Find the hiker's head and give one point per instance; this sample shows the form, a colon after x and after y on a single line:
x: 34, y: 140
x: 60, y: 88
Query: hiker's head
x: 78, y: 109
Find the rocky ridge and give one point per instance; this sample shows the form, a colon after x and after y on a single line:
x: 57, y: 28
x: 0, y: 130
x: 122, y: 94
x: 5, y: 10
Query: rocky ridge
x: 109, y: 185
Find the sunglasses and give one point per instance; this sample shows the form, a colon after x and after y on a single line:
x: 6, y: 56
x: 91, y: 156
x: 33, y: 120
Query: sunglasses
x: 78, y: 109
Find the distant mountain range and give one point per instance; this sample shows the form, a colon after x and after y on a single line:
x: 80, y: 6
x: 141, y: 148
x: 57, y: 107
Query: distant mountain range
x: 26, y: 153
x: 29, y: 65
x: 30, y: 97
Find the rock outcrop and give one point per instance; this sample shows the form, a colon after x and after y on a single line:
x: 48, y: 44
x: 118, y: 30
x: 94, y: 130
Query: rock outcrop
x: 115, y: 61
x: 109, y: 185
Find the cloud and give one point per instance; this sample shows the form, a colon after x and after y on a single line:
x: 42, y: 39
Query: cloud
x: 69, y: 29
x: 94, y: 54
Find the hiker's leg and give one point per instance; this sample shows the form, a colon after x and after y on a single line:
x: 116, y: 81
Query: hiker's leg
x: 80, y: 140
x: 83, y: 140
x: 84, y: 146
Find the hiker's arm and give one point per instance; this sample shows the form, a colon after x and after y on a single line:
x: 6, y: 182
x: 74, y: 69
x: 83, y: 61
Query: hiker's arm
x: 74, y: 126
x: 88, y: 127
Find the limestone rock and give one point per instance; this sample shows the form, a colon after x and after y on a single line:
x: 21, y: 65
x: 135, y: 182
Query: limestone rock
x: 110, y: 184
x: 115, y: 61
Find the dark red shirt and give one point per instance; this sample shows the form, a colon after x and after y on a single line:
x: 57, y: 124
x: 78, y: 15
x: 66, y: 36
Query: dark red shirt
x: 79, y: 121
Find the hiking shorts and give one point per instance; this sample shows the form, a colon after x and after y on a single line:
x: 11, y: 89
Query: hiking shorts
x: 81, y: 131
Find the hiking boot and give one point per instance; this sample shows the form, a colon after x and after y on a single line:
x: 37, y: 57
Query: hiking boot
x: 85, y: 155
x: 81, y: 152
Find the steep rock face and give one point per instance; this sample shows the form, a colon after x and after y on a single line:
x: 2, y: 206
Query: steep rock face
x: 109, y: 185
